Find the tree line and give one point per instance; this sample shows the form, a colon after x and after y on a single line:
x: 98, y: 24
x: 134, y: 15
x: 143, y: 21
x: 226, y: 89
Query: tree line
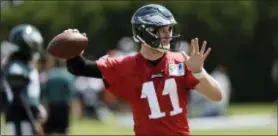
x: 243, y: 34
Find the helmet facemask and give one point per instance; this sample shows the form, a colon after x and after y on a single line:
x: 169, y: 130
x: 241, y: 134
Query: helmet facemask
x: 150, y: 36
x: 146, y: 22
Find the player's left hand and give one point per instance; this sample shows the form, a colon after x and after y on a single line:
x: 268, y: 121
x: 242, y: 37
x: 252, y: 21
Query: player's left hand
x: 195, y: 61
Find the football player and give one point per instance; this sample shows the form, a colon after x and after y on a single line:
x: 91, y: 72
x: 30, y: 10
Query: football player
x: 58, y: 92
x: 24, y: 111
x: 155, y: 81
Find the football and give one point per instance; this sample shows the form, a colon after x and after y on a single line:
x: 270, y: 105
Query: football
x: 67, y: 45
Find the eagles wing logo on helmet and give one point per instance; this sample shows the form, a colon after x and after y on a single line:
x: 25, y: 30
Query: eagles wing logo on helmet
x: 146, y: 20
x: 27, y: 37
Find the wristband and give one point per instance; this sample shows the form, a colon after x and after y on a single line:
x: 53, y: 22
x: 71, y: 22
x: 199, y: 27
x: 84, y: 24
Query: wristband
x: 200, y: 74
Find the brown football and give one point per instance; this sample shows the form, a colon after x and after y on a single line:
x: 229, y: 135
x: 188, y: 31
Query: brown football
x: 67, y: 45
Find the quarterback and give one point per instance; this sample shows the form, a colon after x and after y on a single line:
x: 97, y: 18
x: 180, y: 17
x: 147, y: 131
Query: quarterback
x: 155, y: 81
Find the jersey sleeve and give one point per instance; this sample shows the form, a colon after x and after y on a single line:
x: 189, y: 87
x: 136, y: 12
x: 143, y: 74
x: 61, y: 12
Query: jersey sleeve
x: 190, y: 80
x: 112, y: 69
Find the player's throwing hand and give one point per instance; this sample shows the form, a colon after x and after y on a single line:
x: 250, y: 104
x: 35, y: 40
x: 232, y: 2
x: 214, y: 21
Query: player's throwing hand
x: 197, y: 57
x: 75, y: 31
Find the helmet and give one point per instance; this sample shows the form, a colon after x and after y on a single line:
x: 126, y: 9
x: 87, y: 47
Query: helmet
x: 28, y: 39
x: 146, y: 21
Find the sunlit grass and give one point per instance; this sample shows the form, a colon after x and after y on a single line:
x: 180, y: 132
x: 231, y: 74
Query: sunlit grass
x: 93, y: 127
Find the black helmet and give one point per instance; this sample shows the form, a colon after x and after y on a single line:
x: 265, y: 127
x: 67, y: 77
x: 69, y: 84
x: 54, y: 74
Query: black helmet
x: 28, y: 38
x: 145, y: 22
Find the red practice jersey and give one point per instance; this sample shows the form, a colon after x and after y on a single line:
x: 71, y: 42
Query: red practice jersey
x: 157, y: 94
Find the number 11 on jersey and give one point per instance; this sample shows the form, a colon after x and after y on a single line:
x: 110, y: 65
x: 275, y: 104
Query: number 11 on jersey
x: 170, y: 88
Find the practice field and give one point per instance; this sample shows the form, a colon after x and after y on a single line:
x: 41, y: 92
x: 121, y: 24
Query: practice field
x: 87, y: 127
x: 92, y: 127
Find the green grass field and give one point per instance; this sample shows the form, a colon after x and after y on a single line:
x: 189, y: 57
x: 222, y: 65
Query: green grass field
x: 89, y: 127
x: 92, y: 127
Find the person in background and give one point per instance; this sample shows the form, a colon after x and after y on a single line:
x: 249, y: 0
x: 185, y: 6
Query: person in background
x: 3, y: 96
x: 219, y: 109
x: 24, y: 113
x: 58, y: 92
x: 200, y: 106
x: 126, y: 46
x: 91, y: 95
x: 182, y: 46
x: 7, y: 48
x: 91, y: 90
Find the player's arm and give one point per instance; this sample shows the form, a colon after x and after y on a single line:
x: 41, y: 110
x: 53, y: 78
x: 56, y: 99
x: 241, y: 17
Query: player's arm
x: 207, y: 85
x: 109, y: 69
x: 204, y: 84
x: 80, y: 66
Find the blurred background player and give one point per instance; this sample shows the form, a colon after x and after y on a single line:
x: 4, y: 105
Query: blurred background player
x: 126, y: 46
x: 58, y: 91
x: 220, y: 74
x: 91, y: 92
x: 91, y: 95
x: 200, y: 106
x: 24, y: 114
x: 182, y: 46
x: 6, y: 49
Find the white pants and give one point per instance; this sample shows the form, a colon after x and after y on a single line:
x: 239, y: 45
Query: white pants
x: 17, y: 129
